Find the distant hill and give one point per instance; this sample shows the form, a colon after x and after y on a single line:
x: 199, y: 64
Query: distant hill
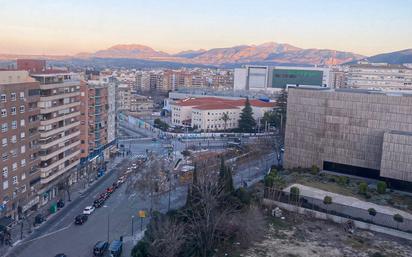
x: 398, y: 57
x: 267, y: 53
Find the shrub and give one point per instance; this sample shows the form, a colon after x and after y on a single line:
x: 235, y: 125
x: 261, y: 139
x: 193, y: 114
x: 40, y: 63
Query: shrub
x: 269, y: 180
x: 327, y: 200
x: 398, y: 218
x: 381, y: 187
x: 314, y: 170
x: 294, y: 194
x: 343, y: 180
x: 363, y: 188
x: 372, y: 212
x: 141, y: 249
x: 243, y: 195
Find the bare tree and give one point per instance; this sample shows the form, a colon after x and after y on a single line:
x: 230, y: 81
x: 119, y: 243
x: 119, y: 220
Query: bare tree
x: 250, y: 225
x: 149, y: 181
x: 168, y: 235
x: 207, y: 216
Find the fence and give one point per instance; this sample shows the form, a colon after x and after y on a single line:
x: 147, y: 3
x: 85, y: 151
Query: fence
x: 337, y: 209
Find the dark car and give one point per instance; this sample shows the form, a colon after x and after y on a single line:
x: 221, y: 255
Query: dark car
x: 104, y: 196
x: 100, y: 248
x: 38, y: 219
x: 80, y: 219
x: 116, y: 248
x: 60, y: 204
x: 60, y: 255
x: 98, y: 203
x: 115, y: 185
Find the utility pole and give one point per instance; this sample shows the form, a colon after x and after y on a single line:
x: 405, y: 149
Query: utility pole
x: 108, y: 227
x: 132, y: 224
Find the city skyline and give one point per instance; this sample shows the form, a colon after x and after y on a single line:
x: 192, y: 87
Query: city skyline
x: 361, y: 27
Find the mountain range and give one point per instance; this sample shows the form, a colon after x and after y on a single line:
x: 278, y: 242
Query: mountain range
x: 270, y: 53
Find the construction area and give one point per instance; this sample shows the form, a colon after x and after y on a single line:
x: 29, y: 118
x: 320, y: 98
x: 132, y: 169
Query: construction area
x: 295, y: 235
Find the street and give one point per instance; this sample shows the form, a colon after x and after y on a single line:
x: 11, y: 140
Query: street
x: 113, y: 220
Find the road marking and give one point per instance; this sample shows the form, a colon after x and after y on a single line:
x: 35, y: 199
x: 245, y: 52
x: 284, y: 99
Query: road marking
x: 46, y: 235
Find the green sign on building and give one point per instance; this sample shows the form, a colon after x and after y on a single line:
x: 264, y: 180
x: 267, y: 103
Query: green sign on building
x: 283, y: 77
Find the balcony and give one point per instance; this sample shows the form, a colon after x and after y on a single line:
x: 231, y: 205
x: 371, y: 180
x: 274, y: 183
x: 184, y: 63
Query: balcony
x: 57, y: 96
x: 47, y: 177
x: 44, y: 110
x: 46, y: 170
x: 48, y: 133
x: 59, y: 151
x: 59, y: 118
x: 45, y: 144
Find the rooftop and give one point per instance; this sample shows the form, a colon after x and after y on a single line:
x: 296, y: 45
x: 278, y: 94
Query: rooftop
x: 202, y: 101
x: 359, y: 91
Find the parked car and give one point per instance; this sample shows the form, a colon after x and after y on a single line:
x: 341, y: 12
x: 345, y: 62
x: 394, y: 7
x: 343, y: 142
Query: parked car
x: 115, y: 185
x: 80, y: 219
x: 121, y: 180
x: 38, y: 219
x: 98, y: 203
x: 60, y: 255
x: 104, y: 196
x: 116, y: 248
x: 109, y: 190
x: 100, y: 248
x: 60, y: 204
x: 88, y: 210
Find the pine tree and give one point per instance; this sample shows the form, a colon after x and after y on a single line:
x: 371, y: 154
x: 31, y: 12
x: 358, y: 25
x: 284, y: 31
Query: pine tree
x: 246, y: 122
x: 225, y: 178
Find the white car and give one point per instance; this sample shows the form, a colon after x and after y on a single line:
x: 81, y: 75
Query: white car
x: 88, y: 210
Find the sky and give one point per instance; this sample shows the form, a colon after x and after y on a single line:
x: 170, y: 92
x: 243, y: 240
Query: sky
x: 60, y: 27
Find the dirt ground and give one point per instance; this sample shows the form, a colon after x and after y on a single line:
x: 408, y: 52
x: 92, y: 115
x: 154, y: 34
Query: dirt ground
x: 299, y: 236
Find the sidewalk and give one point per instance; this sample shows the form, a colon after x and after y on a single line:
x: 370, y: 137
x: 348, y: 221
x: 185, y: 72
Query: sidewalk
x: 77, y: 191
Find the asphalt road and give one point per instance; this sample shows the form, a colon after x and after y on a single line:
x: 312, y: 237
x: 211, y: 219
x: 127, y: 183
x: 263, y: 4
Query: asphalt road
x: 63, y: 236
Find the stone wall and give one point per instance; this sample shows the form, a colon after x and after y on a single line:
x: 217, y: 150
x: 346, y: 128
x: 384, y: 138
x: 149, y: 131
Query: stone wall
x: 345, y: 126
x: 397, y: 156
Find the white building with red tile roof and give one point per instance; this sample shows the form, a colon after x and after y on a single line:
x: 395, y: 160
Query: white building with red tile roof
x: 206, y: 113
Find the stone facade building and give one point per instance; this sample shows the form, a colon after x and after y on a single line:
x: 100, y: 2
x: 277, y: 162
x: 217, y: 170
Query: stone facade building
x: 352, y: 131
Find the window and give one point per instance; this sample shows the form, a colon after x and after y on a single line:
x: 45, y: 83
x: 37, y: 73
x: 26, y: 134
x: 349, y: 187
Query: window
x: 23, y: 149
x: 23, y: 162
x: 22, y: 123
x: 15, y: 180
x: 4, y: 156
x: 21, y: 95
x: 23, y: 188
x: 13, y: 110
x: 4, y: 127
x: 3, y: 98
x: 13, y: 139
x: 3, y: 113
x: 23, y: 176
x: 13, y: 152
x: 14, y: 166
x: 13, y: 96
x: 14, y: 124
x: 5, y: 172
x: 22, y: 109
x: 22, y: 135
x: 4, y: 141
x: 5, y: 185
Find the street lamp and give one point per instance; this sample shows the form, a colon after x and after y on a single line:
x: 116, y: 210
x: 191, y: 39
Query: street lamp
x: 132, y: 224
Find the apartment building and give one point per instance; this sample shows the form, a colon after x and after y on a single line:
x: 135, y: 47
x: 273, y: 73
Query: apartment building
x: 206, y: 113
x: 352, y: 131
x: 379, y: 76
x: 59, y: 129
x: 19, y: 135
x: 124, y: 93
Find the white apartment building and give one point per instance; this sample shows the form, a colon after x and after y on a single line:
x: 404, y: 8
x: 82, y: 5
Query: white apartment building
x: 206, y: 113
x: 379, y: 76
x: 111, y: 112
x: 59, y: 130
